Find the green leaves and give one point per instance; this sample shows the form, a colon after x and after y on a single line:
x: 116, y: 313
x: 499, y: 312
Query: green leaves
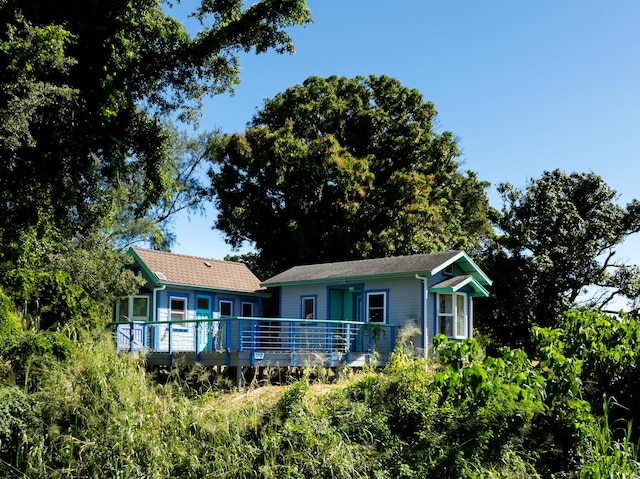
x: 341, y: 168
x: 557, y: 239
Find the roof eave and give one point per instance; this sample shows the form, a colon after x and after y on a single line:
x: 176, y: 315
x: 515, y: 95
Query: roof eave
x: 199, y: 287
x: 150, y: 274
x: 345, y: 279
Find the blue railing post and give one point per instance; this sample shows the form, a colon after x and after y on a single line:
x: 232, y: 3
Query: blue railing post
x: 197, y: 345
x: 292, y: 336
x: 131, y: 337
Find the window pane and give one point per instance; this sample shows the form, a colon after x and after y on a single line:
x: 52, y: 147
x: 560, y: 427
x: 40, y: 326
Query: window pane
x: 446, y: 304
x: 376, y: 300
x: 140, y: 307
x: 225, y: 308
x: 247, y: 309
x: 446, y: 325
x: 178, y: 308
x: 376, y: 307
x: 124, y: 310
x: 202, y: 303
x: 308, y: 308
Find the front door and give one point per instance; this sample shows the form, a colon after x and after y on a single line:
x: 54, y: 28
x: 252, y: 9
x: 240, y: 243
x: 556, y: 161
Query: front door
x: 203, y: 311
x: 345, y: 304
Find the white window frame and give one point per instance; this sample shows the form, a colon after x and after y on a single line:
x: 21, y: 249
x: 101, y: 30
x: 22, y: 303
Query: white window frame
x: 456, y: 316
x: 303, y: 309
x: 126, y: 308
x: 370, y: 308
x: 180, y: 322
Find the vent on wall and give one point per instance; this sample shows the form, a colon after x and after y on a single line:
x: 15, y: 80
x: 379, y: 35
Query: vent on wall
x: 160, y: 275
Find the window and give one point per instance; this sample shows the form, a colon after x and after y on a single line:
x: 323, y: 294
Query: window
x: 377, y: 307
x: 452, y: 315
x: 448, y: 270
x: 202, y: 303
x: 140, y: 307
x: 134, y: 308
x: 178, y: 310
x: 226, y: 308
x: 203, y: 307
x: 309, y: 307
x: 247, y: 310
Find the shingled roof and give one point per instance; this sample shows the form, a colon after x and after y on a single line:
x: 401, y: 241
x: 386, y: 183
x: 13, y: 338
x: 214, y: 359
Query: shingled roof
x: 192, y: 271
x: 370, y: 268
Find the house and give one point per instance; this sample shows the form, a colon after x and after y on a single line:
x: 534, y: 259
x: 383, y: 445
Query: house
x: 332, y: 314
x: 168, y: 313
x: 431, y: 293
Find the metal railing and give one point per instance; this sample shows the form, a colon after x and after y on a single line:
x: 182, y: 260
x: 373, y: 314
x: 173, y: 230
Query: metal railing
x: 277, y: 335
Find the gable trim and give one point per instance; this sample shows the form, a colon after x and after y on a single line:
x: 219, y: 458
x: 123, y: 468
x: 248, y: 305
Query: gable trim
x: 455, y: 284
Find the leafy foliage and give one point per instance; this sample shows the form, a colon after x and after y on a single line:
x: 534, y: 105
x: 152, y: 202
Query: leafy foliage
x: 557, y: 237
x: 608, y: 350
x: 100, y: 414
x: 9, y: 324
x: 341, y: 168
x: 88, y: 88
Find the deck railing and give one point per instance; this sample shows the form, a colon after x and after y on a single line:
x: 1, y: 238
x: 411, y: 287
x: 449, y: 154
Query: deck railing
x: 277, y: 335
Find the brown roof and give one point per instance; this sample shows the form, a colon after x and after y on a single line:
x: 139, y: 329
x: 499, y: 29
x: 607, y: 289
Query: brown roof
x: 177, y: 269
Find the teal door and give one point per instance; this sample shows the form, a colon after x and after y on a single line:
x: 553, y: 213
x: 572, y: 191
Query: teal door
x: 203, y: 311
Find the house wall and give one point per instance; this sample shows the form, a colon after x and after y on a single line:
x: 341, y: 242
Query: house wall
x: 404, y: 303
x: 212, y: 336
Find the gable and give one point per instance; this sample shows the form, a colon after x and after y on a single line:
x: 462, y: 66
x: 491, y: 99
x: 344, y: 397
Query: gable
x: 456, y: 283
x: 164, y: 268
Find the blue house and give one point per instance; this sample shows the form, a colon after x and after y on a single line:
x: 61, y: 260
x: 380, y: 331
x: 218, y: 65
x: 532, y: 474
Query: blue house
x: 342, y: 313
x: 429, y: 293
x: 173, y: 312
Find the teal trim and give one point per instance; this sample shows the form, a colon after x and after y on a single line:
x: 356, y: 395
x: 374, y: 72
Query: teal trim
x: 471, y: 281
x: 468, y: 266
x: 148, y: 273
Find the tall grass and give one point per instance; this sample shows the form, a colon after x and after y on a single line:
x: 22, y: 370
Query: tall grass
x: 607, y: 457
x: 97, y: 414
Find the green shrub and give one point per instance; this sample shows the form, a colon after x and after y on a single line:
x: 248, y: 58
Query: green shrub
x: 52, y: 299
x: 21, y: 429
x: 9, y: 323
x: 31, y: 354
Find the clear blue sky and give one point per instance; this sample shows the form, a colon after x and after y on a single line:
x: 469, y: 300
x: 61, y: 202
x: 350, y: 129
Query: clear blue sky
x: 525, y: 86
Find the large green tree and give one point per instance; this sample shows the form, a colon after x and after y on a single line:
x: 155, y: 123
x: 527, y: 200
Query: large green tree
x: 555, y: 249
x: 87, y: 88
x: 340, y: 168
x: 89, y: 159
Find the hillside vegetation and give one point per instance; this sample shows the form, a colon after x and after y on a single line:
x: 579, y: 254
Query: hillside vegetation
x: 80, y: 410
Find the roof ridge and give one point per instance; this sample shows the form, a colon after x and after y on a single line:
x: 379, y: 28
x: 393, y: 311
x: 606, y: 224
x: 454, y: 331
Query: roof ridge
x: 155, y: 251
x: 380, y: 258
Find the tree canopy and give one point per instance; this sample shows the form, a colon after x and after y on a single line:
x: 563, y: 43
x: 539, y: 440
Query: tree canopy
x: 555, y: 248
x: 87, y: 89
x: 340, y: 168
